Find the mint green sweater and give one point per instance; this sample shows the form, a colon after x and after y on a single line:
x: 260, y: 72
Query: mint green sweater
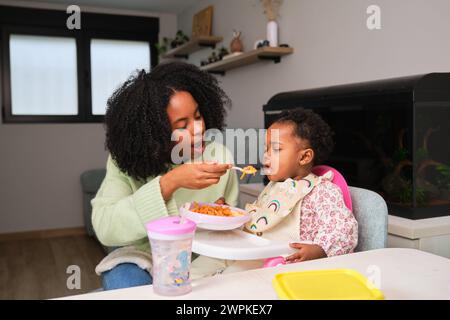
x: 123, y: 205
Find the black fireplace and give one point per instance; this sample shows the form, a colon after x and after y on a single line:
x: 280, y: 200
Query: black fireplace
x: 392, y: 136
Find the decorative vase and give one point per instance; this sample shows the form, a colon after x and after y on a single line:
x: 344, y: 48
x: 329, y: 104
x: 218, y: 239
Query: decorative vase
x: 272, y: 33
x: 236, y: 44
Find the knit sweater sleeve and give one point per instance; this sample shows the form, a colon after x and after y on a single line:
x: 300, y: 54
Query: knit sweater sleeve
x: 119, y: 215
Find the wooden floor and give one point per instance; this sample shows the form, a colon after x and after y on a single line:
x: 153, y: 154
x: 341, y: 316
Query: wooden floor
x: 36, y: 269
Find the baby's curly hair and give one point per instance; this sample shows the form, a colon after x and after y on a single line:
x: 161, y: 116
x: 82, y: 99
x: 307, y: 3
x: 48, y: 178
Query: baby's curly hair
x: 310, y: 126
x: 138, y: 131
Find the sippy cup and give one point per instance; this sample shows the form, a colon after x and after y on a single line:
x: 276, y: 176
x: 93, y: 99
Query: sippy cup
x: 171, y: 243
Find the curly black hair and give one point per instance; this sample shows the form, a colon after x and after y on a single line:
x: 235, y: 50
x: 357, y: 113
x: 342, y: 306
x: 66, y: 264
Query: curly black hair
x: 138, y: 131
x: 310, y: 126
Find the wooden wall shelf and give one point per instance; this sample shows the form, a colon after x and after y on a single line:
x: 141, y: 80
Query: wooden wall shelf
x: 267, y: 53
x: 192, y: 46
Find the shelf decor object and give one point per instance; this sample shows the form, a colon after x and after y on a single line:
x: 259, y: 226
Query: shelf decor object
x: 196, y: 44
x: 265, y: 53
x: 202, y: 22
x: 236, y: 44
x: 271, y: 10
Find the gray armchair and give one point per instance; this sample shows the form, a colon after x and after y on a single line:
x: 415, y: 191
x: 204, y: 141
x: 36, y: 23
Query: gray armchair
x: 90, y: 183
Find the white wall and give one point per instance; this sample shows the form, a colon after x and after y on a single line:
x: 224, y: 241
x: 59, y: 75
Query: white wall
x: 332, y: 46
x: 40, y: 164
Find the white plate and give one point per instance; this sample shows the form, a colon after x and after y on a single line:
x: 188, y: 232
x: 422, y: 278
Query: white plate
x: 208, y: 222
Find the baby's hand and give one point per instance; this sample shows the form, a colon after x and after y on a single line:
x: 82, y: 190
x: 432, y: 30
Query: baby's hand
x: 221, y: 201
x: 305, y: 252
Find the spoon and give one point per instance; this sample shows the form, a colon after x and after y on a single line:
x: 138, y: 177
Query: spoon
x: 246, y: 169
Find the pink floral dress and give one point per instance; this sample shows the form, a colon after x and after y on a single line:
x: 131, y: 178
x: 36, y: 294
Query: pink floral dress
x: 327, y: 222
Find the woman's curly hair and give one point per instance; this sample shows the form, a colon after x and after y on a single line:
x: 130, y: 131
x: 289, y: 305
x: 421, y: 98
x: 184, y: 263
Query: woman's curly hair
x: 310, y: 126
x: 138, y: 131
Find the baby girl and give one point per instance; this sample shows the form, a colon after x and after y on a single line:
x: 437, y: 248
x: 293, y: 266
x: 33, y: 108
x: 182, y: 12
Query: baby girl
x: 297, y: 206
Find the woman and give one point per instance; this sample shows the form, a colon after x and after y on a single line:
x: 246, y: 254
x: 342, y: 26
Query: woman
x: 142, y: 182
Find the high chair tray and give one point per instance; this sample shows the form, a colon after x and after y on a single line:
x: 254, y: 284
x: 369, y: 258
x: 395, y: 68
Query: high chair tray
x: 237, y: 245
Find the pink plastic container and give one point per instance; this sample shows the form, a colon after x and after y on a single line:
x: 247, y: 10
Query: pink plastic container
x: 171, y: 243
x: 273, y: 262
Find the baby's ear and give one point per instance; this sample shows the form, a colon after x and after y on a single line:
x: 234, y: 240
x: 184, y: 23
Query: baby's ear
x: 306, y: 156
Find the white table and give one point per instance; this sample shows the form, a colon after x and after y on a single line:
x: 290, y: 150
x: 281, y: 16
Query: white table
x: 404, y: 274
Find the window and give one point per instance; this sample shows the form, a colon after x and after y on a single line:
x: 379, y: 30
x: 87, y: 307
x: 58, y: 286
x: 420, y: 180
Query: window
x: 53, y: 74
x: 111, y: 64
x: 43, y: 75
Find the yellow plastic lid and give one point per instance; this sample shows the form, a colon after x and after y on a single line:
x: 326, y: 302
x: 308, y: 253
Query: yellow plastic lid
x: 339, y: 284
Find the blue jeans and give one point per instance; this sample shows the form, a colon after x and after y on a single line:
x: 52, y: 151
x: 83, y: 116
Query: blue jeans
x: 125, y: 275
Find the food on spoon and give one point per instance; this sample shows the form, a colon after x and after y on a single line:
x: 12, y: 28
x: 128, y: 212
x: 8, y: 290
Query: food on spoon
x: 220, y: 211
x: 248, y: 170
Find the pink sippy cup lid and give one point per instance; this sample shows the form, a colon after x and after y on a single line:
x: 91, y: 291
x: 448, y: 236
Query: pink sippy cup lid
x: 171, y: 226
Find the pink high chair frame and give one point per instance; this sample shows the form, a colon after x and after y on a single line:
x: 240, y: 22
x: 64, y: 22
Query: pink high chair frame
x: 338, y: 180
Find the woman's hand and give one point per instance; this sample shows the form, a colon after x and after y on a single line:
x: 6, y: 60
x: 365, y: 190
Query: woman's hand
x: 192, y: 176
x: 305, y: 252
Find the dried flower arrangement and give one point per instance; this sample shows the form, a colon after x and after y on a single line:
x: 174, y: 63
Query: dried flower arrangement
x: 271, y: 8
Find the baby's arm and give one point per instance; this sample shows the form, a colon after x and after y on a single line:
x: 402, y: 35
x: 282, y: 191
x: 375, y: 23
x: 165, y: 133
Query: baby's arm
x: 305, y: 252
x: 337, y: 232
